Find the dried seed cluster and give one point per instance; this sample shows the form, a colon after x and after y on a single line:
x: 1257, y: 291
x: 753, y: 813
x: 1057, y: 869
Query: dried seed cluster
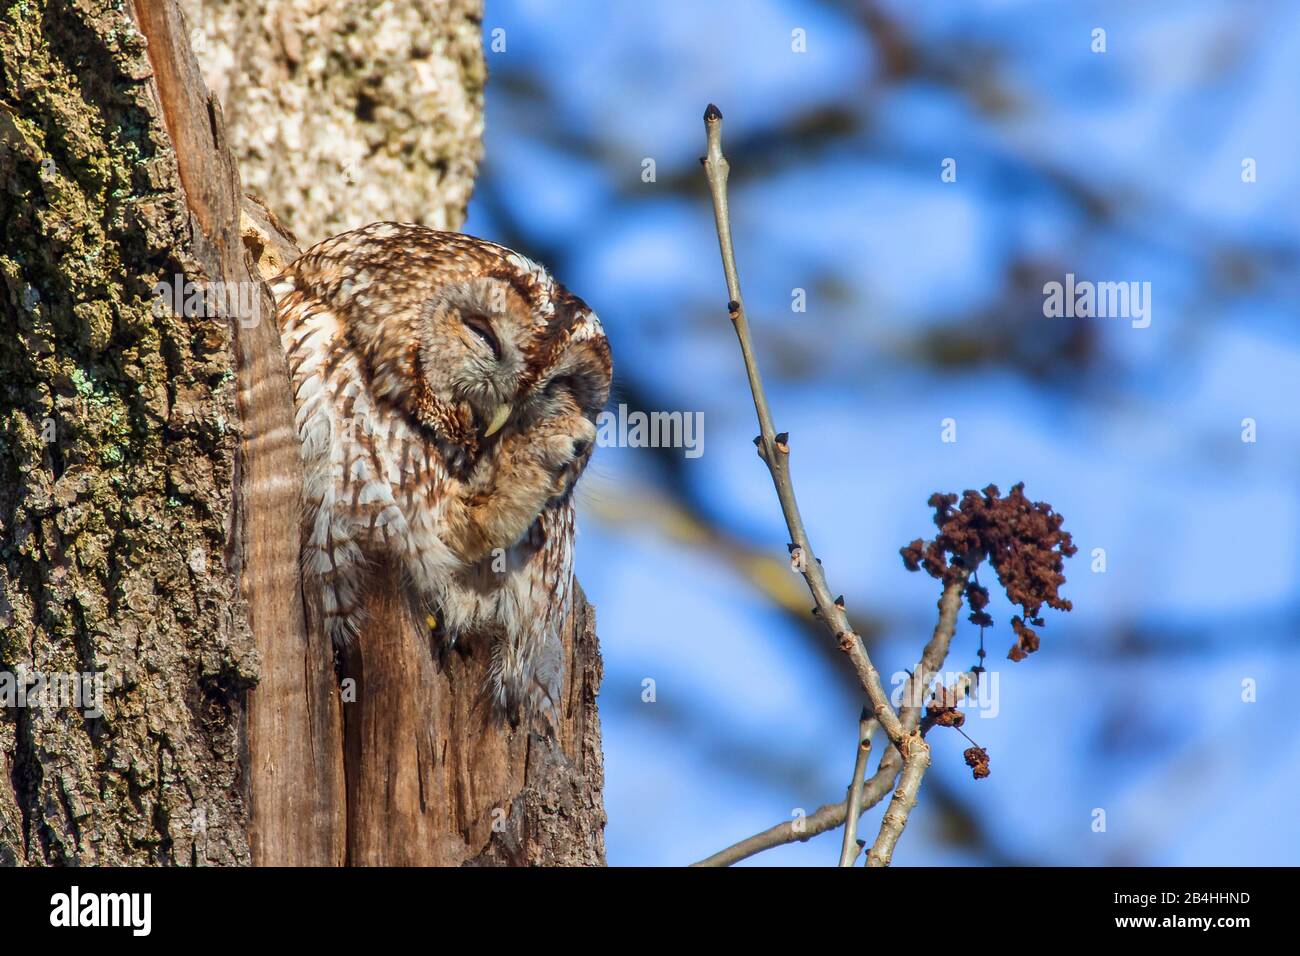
x: 1023, y: 541
x: 977, y: 758
x: 943, y: 708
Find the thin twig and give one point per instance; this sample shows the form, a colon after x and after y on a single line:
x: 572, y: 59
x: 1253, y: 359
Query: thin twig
x: 775, y: 449
x: 935, y: 653
x: 832, y: 815
x: 915, y: 751
x: 824, y: 818
x: 851, y: 848
x: 916, y: 760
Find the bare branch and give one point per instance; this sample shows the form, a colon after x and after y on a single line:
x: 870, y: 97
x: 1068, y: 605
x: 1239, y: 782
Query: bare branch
x: 916, y: 760
x: 774, y: 449
x: 916, y: 752
x: 851, y: 848
x: 934, y: 654
x: 824, y: 818
x: 832, y: 815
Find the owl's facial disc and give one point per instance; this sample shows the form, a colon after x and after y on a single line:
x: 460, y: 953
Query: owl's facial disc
x: 471, y: 357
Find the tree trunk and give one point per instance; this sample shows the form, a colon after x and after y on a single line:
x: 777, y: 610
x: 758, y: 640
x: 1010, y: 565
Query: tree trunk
x: 150, y: 498
x: 346, y: 113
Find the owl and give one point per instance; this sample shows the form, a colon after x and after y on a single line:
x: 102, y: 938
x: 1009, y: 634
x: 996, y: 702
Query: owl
x: 446, y: 391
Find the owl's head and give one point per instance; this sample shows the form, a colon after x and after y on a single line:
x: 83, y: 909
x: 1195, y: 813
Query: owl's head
x: 476, y: 342
x: 509, y: 351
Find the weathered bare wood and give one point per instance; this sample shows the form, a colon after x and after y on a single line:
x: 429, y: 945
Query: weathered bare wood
x: 435, y: 778
x: 557, y: 817
x: 294, y: 772
x: 295, y: 729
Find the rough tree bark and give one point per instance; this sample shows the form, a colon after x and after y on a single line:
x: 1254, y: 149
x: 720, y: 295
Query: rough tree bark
x: 342, y: 114
x: 148, y: 516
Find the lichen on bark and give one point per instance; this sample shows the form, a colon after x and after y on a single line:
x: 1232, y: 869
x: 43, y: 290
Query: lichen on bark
x: 116, y: 450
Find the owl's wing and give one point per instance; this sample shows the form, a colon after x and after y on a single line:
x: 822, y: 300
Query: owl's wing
x: 527, y: 671
x: 347, y: 496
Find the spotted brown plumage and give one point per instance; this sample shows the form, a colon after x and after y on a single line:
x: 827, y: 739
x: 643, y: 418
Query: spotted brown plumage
x: 446, y: 392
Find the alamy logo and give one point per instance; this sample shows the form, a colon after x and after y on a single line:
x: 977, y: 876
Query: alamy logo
x: 624, y: 429
x: 28, y: 688
x: 981, y: 696
x: 103, y: 909
x: 1102, y: 300
x: 218, y: 299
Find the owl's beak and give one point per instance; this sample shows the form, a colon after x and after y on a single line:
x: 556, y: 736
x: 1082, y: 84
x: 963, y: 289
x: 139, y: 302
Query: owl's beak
x: 498, y: 419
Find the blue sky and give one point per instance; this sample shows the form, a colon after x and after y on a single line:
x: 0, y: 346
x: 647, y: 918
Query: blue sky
x: 1117, y: 166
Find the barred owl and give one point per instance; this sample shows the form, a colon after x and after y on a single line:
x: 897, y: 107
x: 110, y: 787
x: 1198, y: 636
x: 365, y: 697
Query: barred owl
x: 446, y: 393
